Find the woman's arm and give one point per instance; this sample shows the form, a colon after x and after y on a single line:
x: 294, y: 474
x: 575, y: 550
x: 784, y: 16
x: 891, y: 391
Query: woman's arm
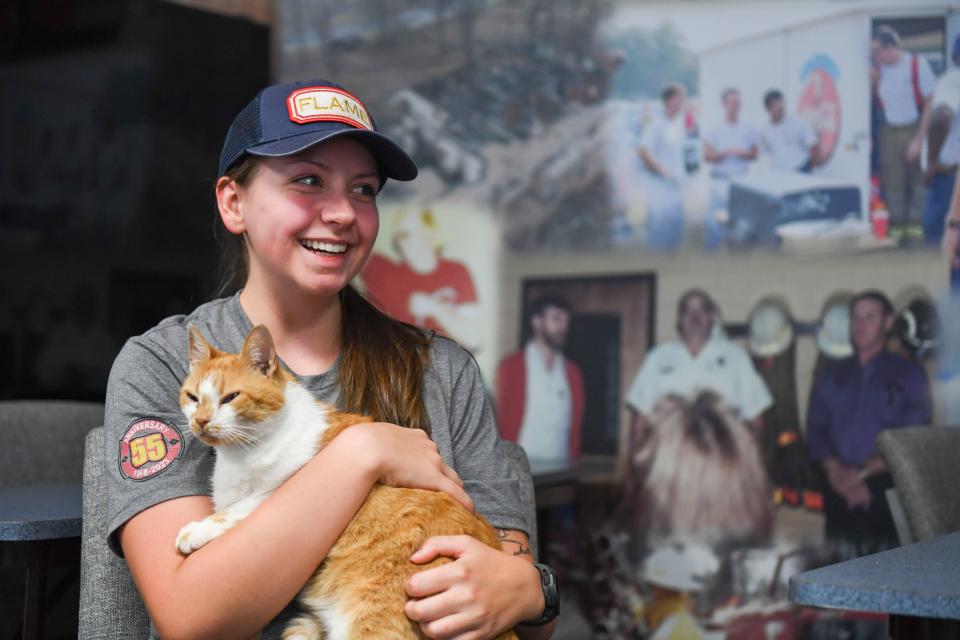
x: 237, y: 583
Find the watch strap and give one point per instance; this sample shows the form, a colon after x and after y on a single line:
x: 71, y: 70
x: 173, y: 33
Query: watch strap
x: 551, y: 596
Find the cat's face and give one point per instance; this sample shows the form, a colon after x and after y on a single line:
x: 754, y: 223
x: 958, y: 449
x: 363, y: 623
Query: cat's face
x: 227, y: 397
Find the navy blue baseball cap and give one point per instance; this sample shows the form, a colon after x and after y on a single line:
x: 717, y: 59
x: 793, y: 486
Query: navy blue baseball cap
x: 284, y: 119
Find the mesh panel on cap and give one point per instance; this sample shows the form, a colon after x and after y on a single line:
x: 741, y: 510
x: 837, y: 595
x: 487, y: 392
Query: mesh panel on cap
x: 244, y: 133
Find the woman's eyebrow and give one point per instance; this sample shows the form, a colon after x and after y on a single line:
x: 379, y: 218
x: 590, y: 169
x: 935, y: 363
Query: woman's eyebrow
x: 326, y: 167
x: 315, y: 163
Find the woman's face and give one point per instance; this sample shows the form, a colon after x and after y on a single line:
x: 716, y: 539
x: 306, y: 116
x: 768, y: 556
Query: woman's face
x: 310, y: 220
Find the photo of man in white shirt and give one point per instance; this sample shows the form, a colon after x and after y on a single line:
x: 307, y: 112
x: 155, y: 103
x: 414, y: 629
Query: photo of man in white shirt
x: 789, y: 142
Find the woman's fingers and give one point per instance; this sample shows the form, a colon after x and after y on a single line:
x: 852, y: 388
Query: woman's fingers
x: 431, y: 608
x: 458, y: 494
x: 453, y: 627
x: 451, y: 473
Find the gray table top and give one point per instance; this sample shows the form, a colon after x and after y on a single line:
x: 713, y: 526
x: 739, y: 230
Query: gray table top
x: 921, y: 580
x: 41, y: 513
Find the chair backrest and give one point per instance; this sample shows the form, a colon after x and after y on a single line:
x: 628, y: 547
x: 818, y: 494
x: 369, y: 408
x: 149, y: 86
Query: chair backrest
x: 43, y: 440
x: 515, y: 454
x: 923, y: 463
x: 110, y: 605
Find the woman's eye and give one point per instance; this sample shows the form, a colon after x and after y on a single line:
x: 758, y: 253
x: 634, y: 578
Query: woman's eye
x: 229, y: 397
x: 365, y: 190
x: 310, y: 181
x: 192, y: 397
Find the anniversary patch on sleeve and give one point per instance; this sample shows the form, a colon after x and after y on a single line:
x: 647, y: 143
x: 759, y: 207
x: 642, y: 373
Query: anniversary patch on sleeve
x: 148, y: 447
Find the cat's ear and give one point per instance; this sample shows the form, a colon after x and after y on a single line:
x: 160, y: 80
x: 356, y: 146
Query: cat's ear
x: 260, y: 352
x: 197, y: 346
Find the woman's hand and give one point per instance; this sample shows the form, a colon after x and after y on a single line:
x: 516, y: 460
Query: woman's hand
x: 482, y: 593
x: 403, y: 457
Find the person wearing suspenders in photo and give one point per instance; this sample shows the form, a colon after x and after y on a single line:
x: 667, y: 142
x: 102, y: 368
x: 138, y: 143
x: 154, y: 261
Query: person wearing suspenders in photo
x: 903, y: 84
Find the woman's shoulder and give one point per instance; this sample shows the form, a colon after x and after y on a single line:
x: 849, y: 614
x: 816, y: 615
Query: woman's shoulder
x: 445, y: 350
x: 448, y: 359
x: 167, y: 339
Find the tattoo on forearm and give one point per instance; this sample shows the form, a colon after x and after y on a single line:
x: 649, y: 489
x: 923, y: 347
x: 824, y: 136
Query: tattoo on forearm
x: 521, y: 550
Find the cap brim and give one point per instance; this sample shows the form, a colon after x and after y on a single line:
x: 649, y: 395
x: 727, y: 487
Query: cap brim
x: 392, y: 161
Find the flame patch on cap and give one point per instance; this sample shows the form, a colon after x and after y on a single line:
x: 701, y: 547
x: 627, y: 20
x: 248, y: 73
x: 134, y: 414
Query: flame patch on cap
x: 326, y: 104
x: 148, y: 447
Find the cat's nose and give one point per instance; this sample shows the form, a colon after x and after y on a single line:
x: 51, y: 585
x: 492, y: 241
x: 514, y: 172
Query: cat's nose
x: 202, y: 421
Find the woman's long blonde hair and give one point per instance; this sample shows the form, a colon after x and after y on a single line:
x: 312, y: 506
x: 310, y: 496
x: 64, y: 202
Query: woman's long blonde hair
x: 382, y: 360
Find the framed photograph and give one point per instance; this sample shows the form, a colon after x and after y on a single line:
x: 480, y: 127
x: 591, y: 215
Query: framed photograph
x: 610, y: 330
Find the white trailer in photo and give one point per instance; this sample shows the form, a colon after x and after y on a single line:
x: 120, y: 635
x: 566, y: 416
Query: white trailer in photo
x: 822, y: 65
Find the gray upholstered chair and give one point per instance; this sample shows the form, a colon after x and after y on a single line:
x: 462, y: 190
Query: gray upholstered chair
x: 923, y: 463
x: 110, y: 605
x: 42, y: 445
x: 43, y: 440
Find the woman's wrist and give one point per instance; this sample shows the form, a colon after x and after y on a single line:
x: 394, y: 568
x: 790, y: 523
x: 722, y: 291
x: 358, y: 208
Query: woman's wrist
x: 533, y: 602
x: 357, y: 444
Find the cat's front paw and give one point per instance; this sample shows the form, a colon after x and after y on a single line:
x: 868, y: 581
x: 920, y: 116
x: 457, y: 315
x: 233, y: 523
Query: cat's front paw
x: 196, y: 534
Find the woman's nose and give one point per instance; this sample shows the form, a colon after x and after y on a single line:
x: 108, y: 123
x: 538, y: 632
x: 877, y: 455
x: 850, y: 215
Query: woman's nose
x: 338, y: 210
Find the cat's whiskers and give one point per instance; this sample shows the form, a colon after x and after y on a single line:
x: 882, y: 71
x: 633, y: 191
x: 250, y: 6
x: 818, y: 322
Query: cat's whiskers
x: 242, y: 436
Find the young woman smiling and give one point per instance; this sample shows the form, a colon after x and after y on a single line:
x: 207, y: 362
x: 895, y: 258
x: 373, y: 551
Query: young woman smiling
x: 300, y: 171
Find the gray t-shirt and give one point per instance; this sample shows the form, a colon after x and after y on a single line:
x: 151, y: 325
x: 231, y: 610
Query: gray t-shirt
x: 152, y: 456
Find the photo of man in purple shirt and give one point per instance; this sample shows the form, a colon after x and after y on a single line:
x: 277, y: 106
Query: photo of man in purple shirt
x: 852, y: 401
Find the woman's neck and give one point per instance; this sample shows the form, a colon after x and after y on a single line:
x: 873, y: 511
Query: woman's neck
x: 305, y: 329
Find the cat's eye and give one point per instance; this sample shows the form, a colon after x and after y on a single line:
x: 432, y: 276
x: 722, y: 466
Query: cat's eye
x: 192, y: 397
x: 229, y: 397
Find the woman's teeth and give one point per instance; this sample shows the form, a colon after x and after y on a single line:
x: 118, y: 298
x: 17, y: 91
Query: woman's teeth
x: 326, y: 247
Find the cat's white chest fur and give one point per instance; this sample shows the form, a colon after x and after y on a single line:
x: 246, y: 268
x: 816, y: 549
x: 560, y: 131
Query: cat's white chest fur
x: 285, y: 442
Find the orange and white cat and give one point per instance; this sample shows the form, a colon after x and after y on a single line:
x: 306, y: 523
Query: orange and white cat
x: 264, y: 426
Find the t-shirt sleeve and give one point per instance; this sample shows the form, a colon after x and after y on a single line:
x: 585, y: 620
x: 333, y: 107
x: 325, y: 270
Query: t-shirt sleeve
x: 491, y: 480
x: 150, y: 453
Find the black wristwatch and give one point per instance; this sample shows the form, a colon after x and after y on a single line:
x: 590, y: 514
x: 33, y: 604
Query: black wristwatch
x: 551, y: 596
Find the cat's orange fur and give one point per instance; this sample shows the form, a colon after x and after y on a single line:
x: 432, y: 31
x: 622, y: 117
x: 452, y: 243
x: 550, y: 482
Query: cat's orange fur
x: 368, y: 566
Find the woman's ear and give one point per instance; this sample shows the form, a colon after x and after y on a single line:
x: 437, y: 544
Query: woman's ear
x: 228, y: 202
